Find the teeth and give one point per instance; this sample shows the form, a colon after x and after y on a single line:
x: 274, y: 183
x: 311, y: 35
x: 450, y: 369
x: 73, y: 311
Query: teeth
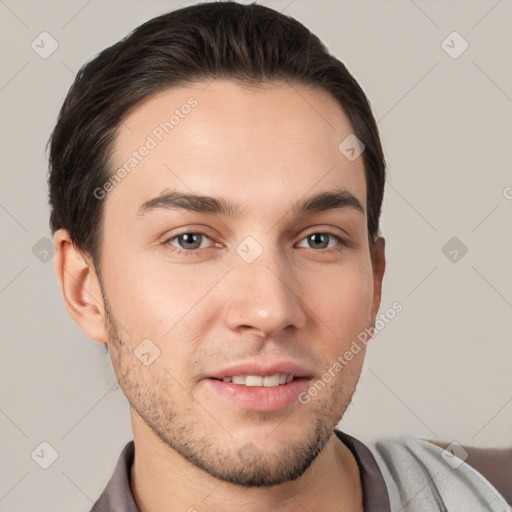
x: 269, y: 381
x: 253, y: 380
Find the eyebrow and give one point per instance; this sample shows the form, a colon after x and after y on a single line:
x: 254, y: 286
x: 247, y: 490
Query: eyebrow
x: 321, y: 202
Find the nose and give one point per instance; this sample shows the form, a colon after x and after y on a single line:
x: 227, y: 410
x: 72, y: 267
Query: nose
x: 264, y: 296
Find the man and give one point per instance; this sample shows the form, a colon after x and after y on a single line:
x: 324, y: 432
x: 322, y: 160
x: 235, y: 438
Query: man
x: 194, y: 169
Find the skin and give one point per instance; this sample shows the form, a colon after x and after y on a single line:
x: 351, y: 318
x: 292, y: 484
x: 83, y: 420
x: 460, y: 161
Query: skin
x: 264, y: 149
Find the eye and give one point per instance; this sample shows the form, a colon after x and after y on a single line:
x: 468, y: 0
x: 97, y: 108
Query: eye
x: 188, y: 242
x: 194, y: 242
x: 321, y: 240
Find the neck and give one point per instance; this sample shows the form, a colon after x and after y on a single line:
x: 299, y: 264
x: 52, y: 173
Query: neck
x: 162, y: 481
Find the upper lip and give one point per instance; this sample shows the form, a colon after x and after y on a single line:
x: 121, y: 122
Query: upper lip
x: 262, y: 369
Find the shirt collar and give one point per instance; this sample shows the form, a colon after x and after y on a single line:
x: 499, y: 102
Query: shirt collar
x: 117, y: 495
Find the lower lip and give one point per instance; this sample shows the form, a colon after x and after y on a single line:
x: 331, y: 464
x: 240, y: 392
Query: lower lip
x: 260, y: 398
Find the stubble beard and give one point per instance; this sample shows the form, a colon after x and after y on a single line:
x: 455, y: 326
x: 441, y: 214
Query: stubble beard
x: 185, y: 432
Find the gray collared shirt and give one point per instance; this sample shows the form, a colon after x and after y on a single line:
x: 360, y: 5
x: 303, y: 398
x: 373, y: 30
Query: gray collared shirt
x: 118, y: 497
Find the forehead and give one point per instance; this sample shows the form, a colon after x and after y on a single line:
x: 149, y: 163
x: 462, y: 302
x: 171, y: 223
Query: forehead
x: 263, y: 146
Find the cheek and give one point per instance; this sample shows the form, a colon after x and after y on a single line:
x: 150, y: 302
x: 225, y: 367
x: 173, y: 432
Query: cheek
x: 159, y: 301
x: 342, y: 298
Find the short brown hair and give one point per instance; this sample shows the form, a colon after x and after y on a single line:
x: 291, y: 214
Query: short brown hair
x: 249, y: 44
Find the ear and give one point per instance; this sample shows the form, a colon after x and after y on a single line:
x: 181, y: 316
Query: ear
x: 378, y: 265
x: 80, y: 287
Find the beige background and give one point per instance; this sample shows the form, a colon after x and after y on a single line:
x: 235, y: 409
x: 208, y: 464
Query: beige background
x: 441, y: 369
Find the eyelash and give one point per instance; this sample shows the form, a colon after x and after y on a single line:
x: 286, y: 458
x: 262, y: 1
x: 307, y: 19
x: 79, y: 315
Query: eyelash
x: 199, y: 252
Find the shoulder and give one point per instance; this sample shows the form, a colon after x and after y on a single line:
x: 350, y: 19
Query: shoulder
x: 495, y: 464
x: 434, y: 475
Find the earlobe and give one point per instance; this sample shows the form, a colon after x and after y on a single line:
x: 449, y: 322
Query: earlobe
x: 79, y: 287
x: 378, y: 257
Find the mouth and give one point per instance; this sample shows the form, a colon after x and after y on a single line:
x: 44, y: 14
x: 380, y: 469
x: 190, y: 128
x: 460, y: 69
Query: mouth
x: 257, y: 389
x: 260, y: 386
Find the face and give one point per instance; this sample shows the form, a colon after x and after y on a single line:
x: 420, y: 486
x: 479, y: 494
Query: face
x: 235, y: 254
